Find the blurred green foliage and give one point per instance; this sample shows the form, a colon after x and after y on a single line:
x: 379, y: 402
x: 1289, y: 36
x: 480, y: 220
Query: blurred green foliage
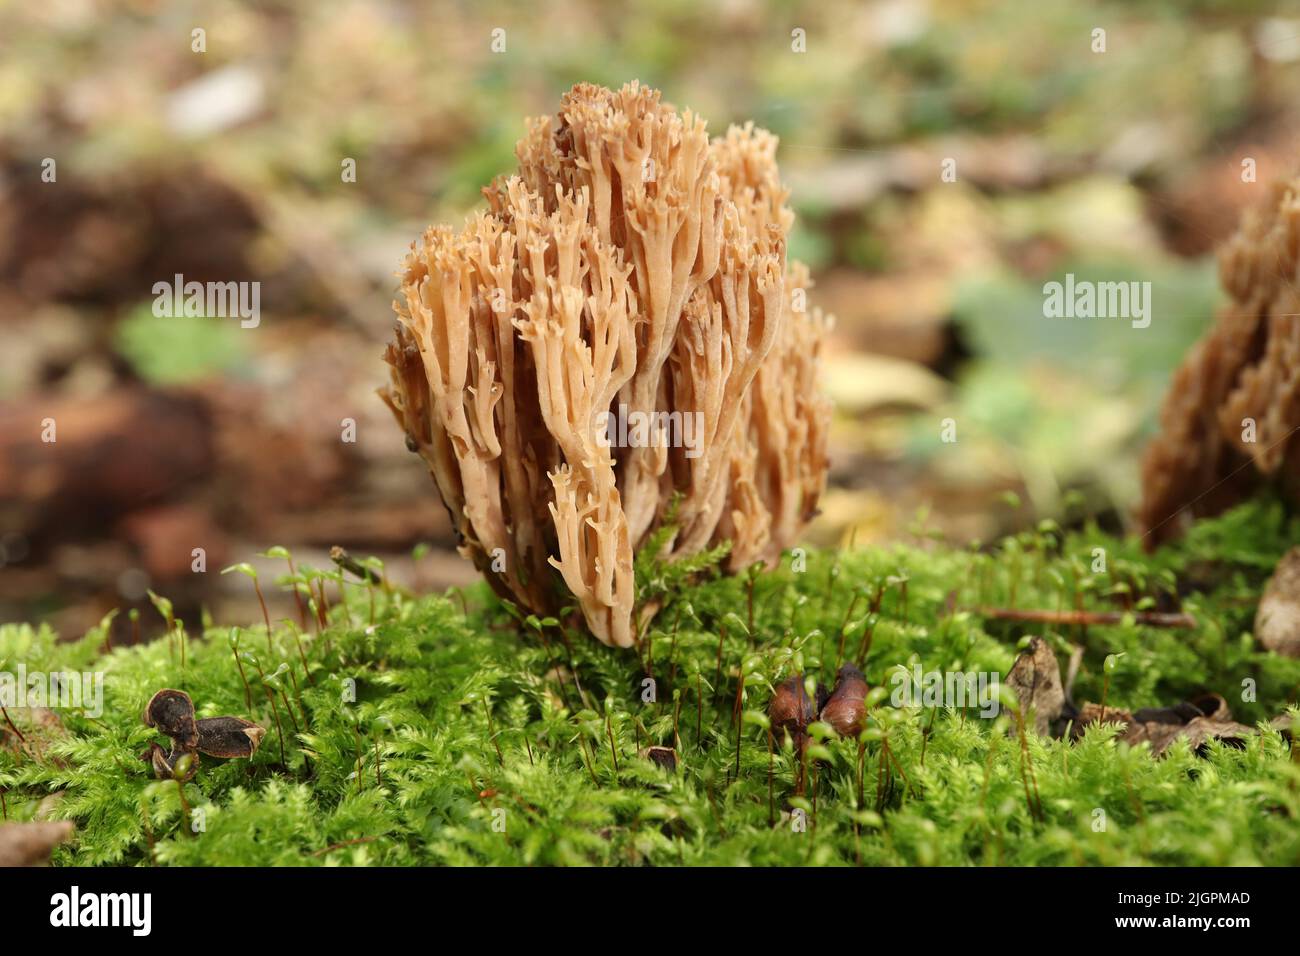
x: 170, y: 349
x: 1068, y: 157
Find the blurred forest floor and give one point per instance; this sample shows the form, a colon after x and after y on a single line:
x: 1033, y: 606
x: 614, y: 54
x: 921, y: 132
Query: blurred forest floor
x: 225, y: 165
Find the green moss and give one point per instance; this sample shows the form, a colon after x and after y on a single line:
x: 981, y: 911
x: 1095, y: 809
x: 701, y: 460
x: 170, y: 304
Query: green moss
x: 457, y: 718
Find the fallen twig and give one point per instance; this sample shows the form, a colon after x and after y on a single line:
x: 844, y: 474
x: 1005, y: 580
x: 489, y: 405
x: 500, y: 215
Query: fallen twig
x: 1145, y: 618
x: 353, y: 566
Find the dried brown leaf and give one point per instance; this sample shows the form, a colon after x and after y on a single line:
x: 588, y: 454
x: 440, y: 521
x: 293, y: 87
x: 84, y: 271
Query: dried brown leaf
x: 1035, y: 678
x: 30, y: 844
x: 1160, y: 727
x: 1277, y: 622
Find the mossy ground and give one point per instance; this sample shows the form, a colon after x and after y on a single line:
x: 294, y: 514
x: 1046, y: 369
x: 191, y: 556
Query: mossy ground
x: 460, y: 716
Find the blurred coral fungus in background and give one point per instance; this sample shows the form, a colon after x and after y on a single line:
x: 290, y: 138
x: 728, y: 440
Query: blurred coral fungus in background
x: 1233, y: 411
x: 630, y: 269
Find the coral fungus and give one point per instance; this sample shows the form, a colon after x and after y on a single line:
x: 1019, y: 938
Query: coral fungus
x: 630, y: 271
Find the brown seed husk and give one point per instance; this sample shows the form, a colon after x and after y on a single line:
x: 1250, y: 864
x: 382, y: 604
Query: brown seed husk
x: 229, y: 737
x: 664, y: 757
x: 165, y: 762
x: 172, y: 713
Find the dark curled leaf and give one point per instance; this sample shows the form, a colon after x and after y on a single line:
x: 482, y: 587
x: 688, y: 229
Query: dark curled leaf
x: 1207, y: 705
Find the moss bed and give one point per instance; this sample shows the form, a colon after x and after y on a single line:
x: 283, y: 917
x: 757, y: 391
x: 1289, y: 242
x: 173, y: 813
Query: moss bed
x: 469, y: 742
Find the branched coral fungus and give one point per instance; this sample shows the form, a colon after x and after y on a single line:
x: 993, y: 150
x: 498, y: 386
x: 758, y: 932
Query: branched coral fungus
x: 1232, y: 416
x: 620, y: 330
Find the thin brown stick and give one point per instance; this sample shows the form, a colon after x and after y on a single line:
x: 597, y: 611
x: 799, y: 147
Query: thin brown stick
x: 1145, y: 618
x: 12, y: 726
x: 354, y: 567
